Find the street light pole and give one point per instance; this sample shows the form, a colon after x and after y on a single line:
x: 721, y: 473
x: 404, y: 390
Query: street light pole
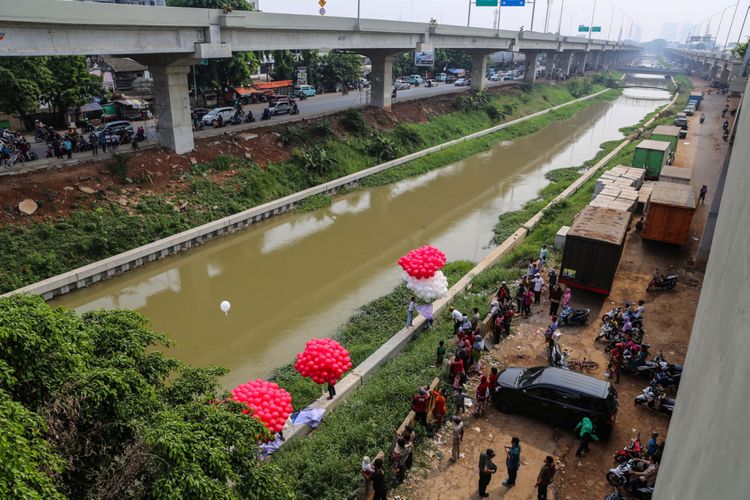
x: 468, y: 20
x: 559, y: 24
x: 739, y: 37
x: 591, y: 26
x: 533, y: 11
x: 726, y: 41
x: 611, y: 20
x: 721, y: 20
x: 358, y: 11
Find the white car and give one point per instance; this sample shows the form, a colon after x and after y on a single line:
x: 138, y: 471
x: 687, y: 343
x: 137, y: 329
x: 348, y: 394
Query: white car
x: 462, y: 82
x: 213, y: 115
x: 402, y: 85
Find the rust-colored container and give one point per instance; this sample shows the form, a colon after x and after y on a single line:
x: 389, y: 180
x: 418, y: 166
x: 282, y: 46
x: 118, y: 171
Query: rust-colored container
x: 670, y: 213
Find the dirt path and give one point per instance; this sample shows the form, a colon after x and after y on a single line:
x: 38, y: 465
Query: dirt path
x: 668, y: 323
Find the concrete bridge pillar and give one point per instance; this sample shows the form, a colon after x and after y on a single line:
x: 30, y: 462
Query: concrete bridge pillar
x: 381, y: 78
x: 564, y: 61
x: 478, y: 70
x: 582, y: 59
x: 550, y: 63
x: 725, y: 74
x: 597, y: 55
x: 529, y: 73
x: 172, y: 101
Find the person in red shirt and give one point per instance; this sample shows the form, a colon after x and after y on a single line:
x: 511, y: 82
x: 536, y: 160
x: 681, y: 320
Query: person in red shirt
x: 493, y: 379
x: 439, y: 408
x: 419, y: 406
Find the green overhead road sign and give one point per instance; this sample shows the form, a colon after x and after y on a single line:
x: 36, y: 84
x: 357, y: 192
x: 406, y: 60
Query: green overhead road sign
x: 585, y: 29
x: 487, y: 3
x: 596, y: 29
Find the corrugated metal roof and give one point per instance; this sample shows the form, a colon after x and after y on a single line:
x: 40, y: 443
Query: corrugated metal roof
x: 655, y: 145
x: 673, y: 195
x: 601, y: 224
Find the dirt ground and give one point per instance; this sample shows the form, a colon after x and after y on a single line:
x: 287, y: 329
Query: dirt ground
x: 57, y: 191
x: 668, y: 323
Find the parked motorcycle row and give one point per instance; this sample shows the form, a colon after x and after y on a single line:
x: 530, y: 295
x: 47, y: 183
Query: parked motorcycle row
x: 14, y: 148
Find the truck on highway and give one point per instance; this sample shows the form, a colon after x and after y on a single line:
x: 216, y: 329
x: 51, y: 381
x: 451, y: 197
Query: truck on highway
x: 696, y: 98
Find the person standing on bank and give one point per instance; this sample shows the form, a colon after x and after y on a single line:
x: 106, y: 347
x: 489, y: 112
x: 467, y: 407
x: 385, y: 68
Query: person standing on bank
x: 457, y: 317
x: 512, y: 461
x: 544, y: 479
x: 331, y: 389
x: 538, y: 287
x: 378, y: 480
x: 585, y: 429
x: 551, y: 279
x: 702, y: 195
x: 486, y: 469
x: 543, y: 257
x: 458, y: 437
x: 410, y: 312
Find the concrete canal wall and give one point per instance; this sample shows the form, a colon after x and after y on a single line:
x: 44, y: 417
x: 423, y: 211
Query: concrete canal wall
x: 118, y: 264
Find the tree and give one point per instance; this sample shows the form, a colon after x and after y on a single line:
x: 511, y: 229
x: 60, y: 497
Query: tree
x: 71, y: 85
x: 741, y: 48
x: 284, y: 66
x: 22, y: 80
x: 338, y: 67
x: 89, y: 408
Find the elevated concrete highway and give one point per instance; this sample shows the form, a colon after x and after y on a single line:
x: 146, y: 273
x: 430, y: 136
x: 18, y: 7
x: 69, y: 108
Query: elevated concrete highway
x: 716, y: 65
x: 169, y: 40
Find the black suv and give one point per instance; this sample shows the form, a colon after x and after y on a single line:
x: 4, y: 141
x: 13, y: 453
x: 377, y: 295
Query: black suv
x: 557, y: 395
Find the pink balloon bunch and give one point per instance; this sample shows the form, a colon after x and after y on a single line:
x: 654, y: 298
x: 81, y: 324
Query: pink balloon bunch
x: 422, y: 262
x: 268, y: 402
x: 323, y: 360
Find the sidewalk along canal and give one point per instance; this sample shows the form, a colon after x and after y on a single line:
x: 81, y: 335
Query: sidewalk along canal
x: 210, y: 193
x: 364, y: 424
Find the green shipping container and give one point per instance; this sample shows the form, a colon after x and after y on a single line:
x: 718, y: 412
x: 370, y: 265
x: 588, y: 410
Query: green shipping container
x: 667, y: 133
x: 651, y: 155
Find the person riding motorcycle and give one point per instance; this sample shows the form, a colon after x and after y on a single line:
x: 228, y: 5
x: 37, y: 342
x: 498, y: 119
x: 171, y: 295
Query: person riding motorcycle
x: 703, y: 117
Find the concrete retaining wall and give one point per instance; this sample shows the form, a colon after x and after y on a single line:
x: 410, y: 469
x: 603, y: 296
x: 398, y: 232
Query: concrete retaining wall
x: 117, y: 264
x: 393, y: 346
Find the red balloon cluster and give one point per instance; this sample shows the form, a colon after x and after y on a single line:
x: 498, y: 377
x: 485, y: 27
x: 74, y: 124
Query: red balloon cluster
x: 323, y: 360
x: 422, y: 262
x: 268, y: 402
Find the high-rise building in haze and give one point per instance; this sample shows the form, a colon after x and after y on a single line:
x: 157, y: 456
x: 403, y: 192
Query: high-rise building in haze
x: 669, y: 31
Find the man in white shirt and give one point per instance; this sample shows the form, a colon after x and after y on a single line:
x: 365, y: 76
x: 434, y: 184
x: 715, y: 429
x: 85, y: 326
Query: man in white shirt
x: 538, y: 287
x: 457, y: 319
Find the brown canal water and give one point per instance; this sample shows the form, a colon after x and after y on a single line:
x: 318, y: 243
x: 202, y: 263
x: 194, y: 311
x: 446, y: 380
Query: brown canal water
x: 299, y: 276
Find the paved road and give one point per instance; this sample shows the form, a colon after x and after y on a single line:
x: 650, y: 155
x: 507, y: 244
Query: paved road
x: 314, y: 106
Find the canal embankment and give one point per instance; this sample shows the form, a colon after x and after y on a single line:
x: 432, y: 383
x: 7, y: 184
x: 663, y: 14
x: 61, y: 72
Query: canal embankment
x: 37, y: 249
x: 364, y: 423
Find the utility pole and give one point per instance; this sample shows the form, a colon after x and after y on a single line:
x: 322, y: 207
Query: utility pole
x: 726, y: 42
x: 591, y: 26
x: 546, y: 17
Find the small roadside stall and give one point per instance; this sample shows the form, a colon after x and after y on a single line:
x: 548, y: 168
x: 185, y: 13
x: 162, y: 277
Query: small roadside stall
x: 133, y: 109
x: 282, y: 87
x: 670, y: 212
x: 593, y: 247
x: 652, y: 156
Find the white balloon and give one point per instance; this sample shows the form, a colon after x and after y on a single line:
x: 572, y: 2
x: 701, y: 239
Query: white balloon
x: 428, y: 289
x: 225, y: 306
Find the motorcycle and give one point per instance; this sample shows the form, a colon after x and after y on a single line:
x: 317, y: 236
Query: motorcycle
x: 236, y: 118
x: 620, y: 476
x: 609, y: 331
x: 613, y: 315
x: 656, y: 400
x: 570, y: 316
x: 725, y: 135
x: 557, y: 357
x: 703, y: 118
x: 266, y: 115
x: 634, y: 449
x: 661, y: 281
x: 249, y: 118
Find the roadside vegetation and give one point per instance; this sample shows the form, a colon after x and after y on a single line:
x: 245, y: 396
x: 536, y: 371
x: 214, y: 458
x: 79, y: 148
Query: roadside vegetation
x: 38, y: 250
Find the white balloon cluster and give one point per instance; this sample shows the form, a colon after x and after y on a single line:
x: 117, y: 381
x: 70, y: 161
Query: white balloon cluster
x: 427, y: 289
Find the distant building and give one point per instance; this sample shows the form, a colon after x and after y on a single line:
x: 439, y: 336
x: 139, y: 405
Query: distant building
x: 121, y: 73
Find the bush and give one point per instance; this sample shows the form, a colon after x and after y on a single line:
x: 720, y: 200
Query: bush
x: 354, y: 122
x: 119, y: 166
x: 317, y: 160
x: 580, y: 88
x: 470, y: 102
x: 493, y: 113
x: 321, y: 129
x: 294, y: 135
x: 407, y: 135
x: 383, y: 148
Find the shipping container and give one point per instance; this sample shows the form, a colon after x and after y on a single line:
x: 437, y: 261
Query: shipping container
x: 667, y: 133
x: 669, y: 214
x: 678, y: 175
x: 651, y: 156
x: 593, y: 247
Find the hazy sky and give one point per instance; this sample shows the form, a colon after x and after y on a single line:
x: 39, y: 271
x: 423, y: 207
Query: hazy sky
x: 650, y: 14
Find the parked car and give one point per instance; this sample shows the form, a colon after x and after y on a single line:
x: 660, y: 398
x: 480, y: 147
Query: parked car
x: 689, y: 110
x: 560, y: 396
x: 116, y: 127
x: 416, y: 80
x: 306, y: 90
x: 213, y: 116
x: 441, y: 77
x: 462, y: 82
x: 496, y: 77
x: 283, y: 108
x: 680, y: 120
x: 198, y: 113
x: 401, y: 85
x: 450, y: 79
